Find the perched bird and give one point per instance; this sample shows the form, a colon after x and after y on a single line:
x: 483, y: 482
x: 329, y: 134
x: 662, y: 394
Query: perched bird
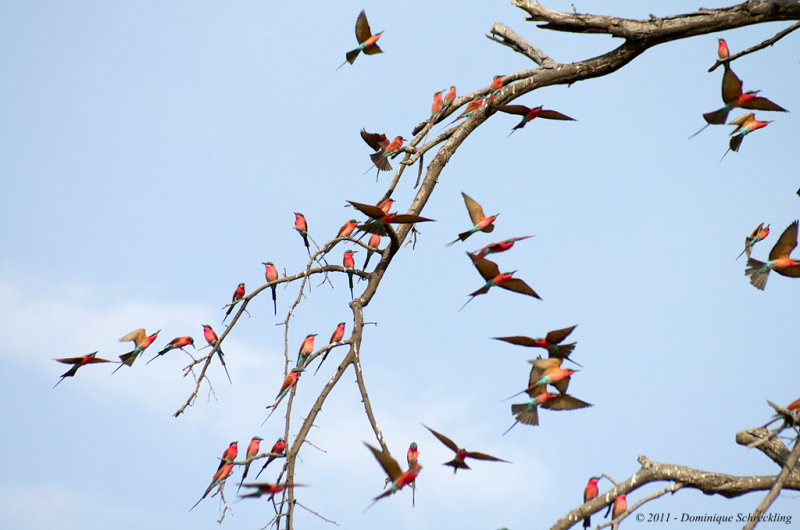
x: 733, y: 96
x: 449, y: 98
x: 238, y: 294
x: 757, y: 235
x: 458, y: 462
x: 588, y: 494
x: 141, y: 340
x: 336, y: 336
x: 366, y: 40
x: 530, y: 113
x: 225, y: 469
x: 528, y: 412
x: 213, y: 340
x: 380, y: 159
x: 546, y: 372
x: 399, y: 479
x: 229, y: 454
x: 288, y: 383
x: 479, y: 220
x: 349, y: 263
x: 177, y: 342
x: 271, y: 274
x: 497, y: 84
x: 550, y: 342
x: 779, y: 260
x: 252, y: 450
x: 437, y: 107
x: 278, y: 448
x: 77, y: 362
x: 301, y: 226
x: 494, y: 248
x: 265, y: 488
x: 374, y: 241
x: 347, y: 228
x: 745, y: 125
x: 619, y: 506
x: 306, y: 348
x: 723, y: 52
x: 472, y: 106
x: 491, y: 273
x: 377, y: 141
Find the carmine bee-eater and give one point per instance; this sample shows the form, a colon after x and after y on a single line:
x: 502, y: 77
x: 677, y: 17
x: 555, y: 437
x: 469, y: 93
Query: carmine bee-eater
x: 472, y: 106
x: 301, y: 226
x: 279, y: 448
x: 238, y: 294
x: 478, y: 218
x: 336, y: 336
x: 177, y: 342
x: 449, y: 98
x: 142, y: 341
x: 265, y: 488
x: 288, y: 383
x: 550, y: 342
x: 380, y: 159
x: 77, y: 362
x: 374, y: 242
x: 271, y: 275
x: 494, y: 278
x: 546, y: 372
x: 229, y: 454
x: 528, y: 413
x: 212, y: 339
x: 252, y: 450
x: 779, y: 260
x: 723, y: 52
x: 497, y: 84
x: 530, y: 113
x: 219, y: 479
x: 366, y: 40
x: 437, y: 107
x: 349, y: 263
x: 494, y: 248
x: 589, y: 493
x: 412, y: 457
x: 306, y: 348
x: 733, y: 97
x: 379, y: 219
x: 745, y: 125
x: 377, y: 141
x: 619, y: 506
x: 758, y: 234
x: 399, y: 479
x: 347, y: 228
x: 458, y: 462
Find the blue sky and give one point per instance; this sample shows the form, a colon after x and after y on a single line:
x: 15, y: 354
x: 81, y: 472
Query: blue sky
x: 153, y: 154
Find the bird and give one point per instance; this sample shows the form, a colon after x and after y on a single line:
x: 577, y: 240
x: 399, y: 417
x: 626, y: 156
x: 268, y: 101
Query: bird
x: 723, y: 52
x: 437, y: 107
x: 378, y: 218
x: 377, y: 141
x: 349, y: 263
x: 550, y: 342
x: 278, y: 448
x: 449, y: 98
x: 141, y: 340
x: 238, y: 294
x: 589, y: 493
x: 495, y: 86
x: 760, y: 233
x: 479, y: 220
x: 491, y: 273
x: 374, y: 241
x: 266, y: 488
x: 528, y: 114
x: 225, y: 469
x: 399, y: 479
x: 528, y: 412
x: 288, y: 383
x: 380, y: 158
x: 347, y: 228
x: 412, y: 457
x: 306, y: 348
x: 336, y: 336
x: 271, y: 274
x: 472, y: 106
x: 779, y: 260
x: 213, y: 340
x: 366, y: 40
x: 77, y: 362
x: 745, y: 125
x: 229, y: 454
x: 252, y: 450
x: 458, y: 462
x: 733, y: 96
x: 177, y: 342
x: 301, y: 226
x: 494, y: 248
x: 619, y: 506
x: 546, y: 372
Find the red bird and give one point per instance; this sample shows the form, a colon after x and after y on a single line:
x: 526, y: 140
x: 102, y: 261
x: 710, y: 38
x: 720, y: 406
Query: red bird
x: 588, y: 494
x: 301, y: 226
x: 437, y: 107
x: 472, y: 106
x: 374, y: 241
x: 458, y: 462
x: 530, y: 113
x: 177, y: 342
x: 224, y: 471
x: 238, y: 294
x: 142, y: 342
x: 380, y: 159
x: 349, y: 263
x: 494, y: 248
x: 336, y: 336
x: 377, y: 141
x: 252, y: 450
x: 212, y: 340
x: 279, y: 448
x: 379, y: 219
x: 265, y: 488
x: 757, y: 235
x: 271, y: 275
x: 399, y: 479
x: 366, y: 40
x: 479, y: 219
x: 77, y: 362
x: 745, y: 125
x: 550, y: 342
x: 494, y: 278
x: 779, y: 260
x: 497, y: 84
x: 733, y: 97
x: 449, y: 98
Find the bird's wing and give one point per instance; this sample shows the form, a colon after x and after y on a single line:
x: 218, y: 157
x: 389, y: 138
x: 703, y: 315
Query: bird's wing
x: 556, y: 336
x: 372, y: 139
x: 786, y: 243
x: 488, y: 269
x: 389, y: 464
x: 513, y: 109
x: 367, y: 209
x: 731, y: 86
x: 137, y: 336
x: 763, y: 104
x: 362, y: 28
x: 408, y: 218
x: 474, y: 209
x: 484, y: 456
x: 69, y: 360
x: 554, y: 115
x: 519, y: 286
x: 520, y: 340
x: 565, y: 402
x: 372, y: 49
x: 444, y: 439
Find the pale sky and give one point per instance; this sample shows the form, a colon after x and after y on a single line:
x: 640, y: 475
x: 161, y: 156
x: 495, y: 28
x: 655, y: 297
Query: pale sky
x: 154, y: 152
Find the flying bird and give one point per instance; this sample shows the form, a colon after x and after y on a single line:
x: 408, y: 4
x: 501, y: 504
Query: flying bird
x: 266, y: 488
x: 779, y: 260
x: 458, y: 462
x: 378, y: 218
x: 377, y: 141
x: 399, y: 479
x: 77, y: 362
x: 546, y: 372
x: 745, y: 125
x: 479, y: 220
x: 757, y: 235
x: 366, y: 40
x: 550, y: 342
x: 494, y: 248
x: 494, y: 278
x: 141, y: 340
x: 380, y: 158
x: 528, y: 412
x: 530, y: 113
